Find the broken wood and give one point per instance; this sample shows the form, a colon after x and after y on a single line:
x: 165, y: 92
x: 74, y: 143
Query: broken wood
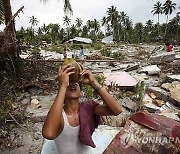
x: 79, y: 60
x: 13, y: 17
x: 15, y: 120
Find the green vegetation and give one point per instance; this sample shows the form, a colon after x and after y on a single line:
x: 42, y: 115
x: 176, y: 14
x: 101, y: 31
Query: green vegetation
x: 139, y: 92
x: 105, y: 52
x: 57, y: 48
x: 35, y: 50
x: 89, y: 92
x: 5, y: 108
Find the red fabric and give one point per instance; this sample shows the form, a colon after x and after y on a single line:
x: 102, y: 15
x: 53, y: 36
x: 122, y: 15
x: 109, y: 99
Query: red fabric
x: 166, y: 126
x: 169, y: 48
x: 88, y: 122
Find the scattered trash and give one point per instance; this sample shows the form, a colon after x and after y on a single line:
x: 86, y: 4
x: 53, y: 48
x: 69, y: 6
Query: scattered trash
x: 120, y: 79
x: 150, y: 70
x: 163, y: 57
x: 35, y: 103
x: 141, y: 132
x: 108, y: 39
x: 82, y: 40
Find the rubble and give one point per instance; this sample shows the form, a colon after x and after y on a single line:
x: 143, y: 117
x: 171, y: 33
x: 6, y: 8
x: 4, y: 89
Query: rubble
x: 39, y: 107
x: 146, y: 133
x: 161, y: 58
x: 160, y: 93
x: 120, y: 79
x: 151, y: 70
x: 161, y: 98
x: 173, y: 77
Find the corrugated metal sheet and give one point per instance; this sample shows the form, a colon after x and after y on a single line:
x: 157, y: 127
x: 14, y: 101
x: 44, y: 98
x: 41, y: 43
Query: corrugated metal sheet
x: 81, y: 39
x: 108, y: 39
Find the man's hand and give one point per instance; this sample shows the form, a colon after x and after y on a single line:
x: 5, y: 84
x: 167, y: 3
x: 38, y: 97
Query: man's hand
x: 63, y: 75
x: 88, y: 78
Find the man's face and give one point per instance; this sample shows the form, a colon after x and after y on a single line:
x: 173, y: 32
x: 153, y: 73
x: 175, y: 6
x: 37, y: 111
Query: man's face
x: 73, y: 91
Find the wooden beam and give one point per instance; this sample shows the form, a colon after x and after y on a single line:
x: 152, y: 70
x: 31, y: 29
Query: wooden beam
x: 85, y: 60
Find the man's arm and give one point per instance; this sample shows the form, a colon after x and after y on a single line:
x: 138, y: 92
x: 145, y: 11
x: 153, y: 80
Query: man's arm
x: 54, y: 118
x: 54, y: 121
x: 111, y: 106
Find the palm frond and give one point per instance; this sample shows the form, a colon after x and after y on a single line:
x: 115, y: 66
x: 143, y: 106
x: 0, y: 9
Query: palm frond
x: 1, y: 13
x: 67, y: 7
x: 1, y: 8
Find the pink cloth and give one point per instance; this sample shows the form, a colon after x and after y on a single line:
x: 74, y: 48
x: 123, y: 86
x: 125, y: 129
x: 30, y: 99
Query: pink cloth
x: 169, y: 48
x: 88, y: 122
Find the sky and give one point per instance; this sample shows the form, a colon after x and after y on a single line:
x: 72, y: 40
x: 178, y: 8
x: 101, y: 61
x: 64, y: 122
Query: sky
x: 52, y: 12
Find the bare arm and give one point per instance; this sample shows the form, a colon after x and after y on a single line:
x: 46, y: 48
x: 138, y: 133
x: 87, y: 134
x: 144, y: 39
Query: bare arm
x: 111, y: 106
x: 54, y: 121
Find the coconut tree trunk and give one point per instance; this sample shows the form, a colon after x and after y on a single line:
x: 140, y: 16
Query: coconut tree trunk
x: 8, y: 15
x: 10, y: 53
x: 11, y: 28
x: 166, y: 26
x: 158, y: 25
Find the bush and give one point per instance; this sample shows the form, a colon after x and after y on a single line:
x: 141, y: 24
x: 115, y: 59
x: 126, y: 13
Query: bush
x: 35, y: 50
x: 118, y: 55
x: 105, y: 52
x: 57, y: 48
x: 97, y: 46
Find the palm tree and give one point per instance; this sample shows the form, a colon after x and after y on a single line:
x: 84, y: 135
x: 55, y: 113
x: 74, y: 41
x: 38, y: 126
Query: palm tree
x: 67, y: 6
x: 139, y: 31
x: 85, y: 31
x: 123, y: 18
x: 174, y: 24
x: 1, y: 14
x: 157, y: 9
x: 33, y: 21
x: 79, y: 23
x: 168, y: 8
x: 66, y: 21
x: 149, y: 24
x: 113, y: 18
x: 89, y: 24
x: 96, y: 26
x: 178, y: 12
x: 44, y: 29
x: 104, y: 23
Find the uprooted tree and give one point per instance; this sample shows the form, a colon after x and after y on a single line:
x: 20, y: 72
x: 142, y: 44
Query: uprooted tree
x: 9, y: 57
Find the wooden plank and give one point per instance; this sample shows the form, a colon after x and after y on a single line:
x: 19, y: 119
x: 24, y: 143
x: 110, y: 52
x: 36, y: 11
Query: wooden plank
x: 79, y: 60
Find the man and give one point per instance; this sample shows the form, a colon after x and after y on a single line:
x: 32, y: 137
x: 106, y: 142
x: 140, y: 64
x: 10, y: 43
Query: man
x: 63, y: 122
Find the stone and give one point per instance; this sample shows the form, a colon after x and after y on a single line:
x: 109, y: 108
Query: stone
x: 160, y: 93
x: 131, y: 67
x: 128, y: 103
x: 177, y: 57
x: 175, y: 95
x: 167, y: 86
x: 34, y: 102
x: 120, y: 79
x: 174, y: 77
x: 162, y: 57
x: 170, y: 115
x: 39, y: 114
x: 151, y: 70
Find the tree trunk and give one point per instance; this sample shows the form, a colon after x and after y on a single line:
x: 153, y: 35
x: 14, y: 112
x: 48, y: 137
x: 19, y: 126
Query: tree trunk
x: 166, y: 26
x: 158, y: 26
x: 10, y: 53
